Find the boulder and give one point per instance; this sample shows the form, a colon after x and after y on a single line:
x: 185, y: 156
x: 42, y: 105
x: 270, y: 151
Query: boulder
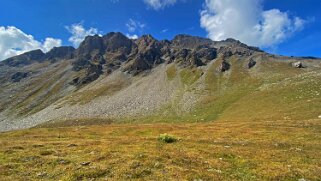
x: 297, y: 65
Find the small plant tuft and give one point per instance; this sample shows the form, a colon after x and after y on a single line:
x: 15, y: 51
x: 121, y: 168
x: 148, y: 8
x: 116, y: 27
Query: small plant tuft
x: 166, y: 138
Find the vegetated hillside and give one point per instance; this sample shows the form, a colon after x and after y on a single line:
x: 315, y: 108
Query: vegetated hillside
x: 187, y: 79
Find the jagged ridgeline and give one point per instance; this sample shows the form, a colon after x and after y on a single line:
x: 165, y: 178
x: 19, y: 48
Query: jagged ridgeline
x: 146, y: 80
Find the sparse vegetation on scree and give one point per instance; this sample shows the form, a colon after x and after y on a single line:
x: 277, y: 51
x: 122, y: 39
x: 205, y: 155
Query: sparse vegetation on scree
x: 253, y: 150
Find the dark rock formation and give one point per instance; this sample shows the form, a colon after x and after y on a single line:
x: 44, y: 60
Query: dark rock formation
x: 60, y: 53
x: 251, y: 63
x: 80, y: 64
x: 194, y: 60
x: 206, y: 53
x: 147, y: 54
x: 190, y: 42
x: 90, y: 73
x: 117, y: 42
x: 91, y: 45
x: 224, y: 66
x: 99, y: 54
x: 18, y: 76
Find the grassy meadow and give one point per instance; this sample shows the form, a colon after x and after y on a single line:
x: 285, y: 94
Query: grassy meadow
x: 222, y: 150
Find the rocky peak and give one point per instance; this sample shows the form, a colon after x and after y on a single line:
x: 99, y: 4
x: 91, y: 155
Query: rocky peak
x: 146, y: 41
x: 18, y: 76
x: 25, y: 58
x: 232, y: 43
x: 116, y: 41
x: 90, y: 44
x: 34, y: 55
x: 232, y: 40
x: 59, y: 53
x: 147, y: 54
x: 190, y: 42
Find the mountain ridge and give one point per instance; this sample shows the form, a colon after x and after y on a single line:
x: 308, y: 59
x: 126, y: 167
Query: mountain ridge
x: 116, y: 78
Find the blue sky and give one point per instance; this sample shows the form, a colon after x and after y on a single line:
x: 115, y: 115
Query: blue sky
x: 288, y: 27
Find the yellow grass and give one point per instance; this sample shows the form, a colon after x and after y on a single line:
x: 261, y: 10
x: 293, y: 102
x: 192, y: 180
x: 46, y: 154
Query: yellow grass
x: 260, y: 150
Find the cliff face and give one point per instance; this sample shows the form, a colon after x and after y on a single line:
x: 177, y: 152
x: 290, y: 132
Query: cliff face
x: 116, y: 77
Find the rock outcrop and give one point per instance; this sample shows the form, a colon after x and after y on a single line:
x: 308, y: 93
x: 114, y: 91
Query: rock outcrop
x: 18, y: 76
x: 190, y: 42
x: 60, y: 53
x: 98, y: 55
x: 224, y: 66
x: 251, y: 63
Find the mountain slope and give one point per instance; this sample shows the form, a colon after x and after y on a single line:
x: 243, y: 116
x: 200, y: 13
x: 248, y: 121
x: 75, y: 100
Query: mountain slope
x: 145, y: 80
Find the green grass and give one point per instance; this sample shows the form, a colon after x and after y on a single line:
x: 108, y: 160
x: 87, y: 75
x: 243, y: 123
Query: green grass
x: 41, y: 92
x: 190, y: 75
x: 83, y: 97
x: 270, y: 90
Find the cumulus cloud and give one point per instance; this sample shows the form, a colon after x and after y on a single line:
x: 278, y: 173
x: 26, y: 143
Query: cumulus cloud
x: 14, y: 41
x: 79, y: 33
x: 246, y: 21
x: 134, y: 25
x: 132, y: 36
x: 159, y: 4
x: 50, y: 43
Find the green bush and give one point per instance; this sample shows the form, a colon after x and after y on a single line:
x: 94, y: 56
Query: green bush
x: 166, y: 138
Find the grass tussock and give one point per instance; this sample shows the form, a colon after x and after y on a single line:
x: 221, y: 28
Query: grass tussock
x: 167, y: 138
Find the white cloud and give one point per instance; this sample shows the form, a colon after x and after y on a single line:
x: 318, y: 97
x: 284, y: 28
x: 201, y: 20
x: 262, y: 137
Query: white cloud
x: 134, y: 25
x: 164, y: 30
x: 79, y: 33
x: 50, y: 43
x: 132, y: 36
x: 159, y: 4
x: 14, y: 41
x: 246, y: 21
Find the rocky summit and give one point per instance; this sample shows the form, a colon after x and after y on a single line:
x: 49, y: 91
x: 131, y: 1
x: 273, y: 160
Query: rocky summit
x: 187, y: 78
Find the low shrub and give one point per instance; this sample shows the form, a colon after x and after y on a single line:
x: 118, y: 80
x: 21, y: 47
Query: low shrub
x: 166, y: 138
